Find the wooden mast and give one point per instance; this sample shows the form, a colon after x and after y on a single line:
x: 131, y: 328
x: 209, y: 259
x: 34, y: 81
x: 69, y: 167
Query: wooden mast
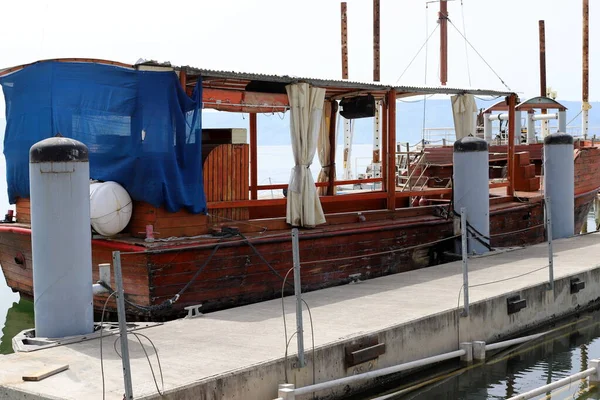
x: 585, y: 84
x: 443, y: 21
x: 344, y: 42
x: 543, y: 87
x: 542, y: 58
x: 347, y: 127
x: 390, y: 176
x: 376, y: 59
x: 376, y: 78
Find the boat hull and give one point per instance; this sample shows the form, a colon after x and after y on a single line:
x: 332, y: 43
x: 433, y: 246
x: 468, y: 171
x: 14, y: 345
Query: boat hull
x: 331, y: 256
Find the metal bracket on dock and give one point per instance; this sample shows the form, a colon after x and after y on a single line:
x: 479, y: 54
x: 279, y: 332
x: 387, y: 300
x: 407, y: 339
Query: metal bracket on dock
x: 193, y: 311
x: 577, y: 285
x: 363, y: 350
x: 515, y: 304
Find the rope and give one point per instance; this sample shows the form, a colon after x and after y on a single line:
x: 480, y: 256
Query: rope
x: 161, y: 393
x: 509, y: 278
x: 480, y: 56
x: 425, y: 73
x: 575, y: 117
x: 416, y: 55
x: 287, y: 342
x: 517, y: 231
x: 380, y: 253
x: 101, y: 354
x: 497, y: 281
x: 462, y: 12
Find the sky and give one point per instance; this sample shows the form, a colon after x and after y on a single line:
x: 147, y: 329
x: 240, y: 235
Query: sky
x: 302, y: 38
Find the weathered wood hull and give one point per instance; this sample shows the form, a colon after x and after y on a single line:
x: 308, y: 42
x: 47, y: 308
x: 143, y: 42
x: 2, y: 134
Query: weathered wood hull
x: 237, y: 275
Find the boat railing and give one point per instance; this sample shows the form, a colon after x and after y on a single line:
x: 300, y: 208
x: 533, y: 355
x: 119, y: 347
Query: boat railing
x: 439, y: 136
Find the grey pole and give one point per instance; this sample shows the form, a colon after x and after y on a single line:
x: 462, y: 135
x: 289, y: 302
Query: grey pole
x: 298, y: 292
x: 122, y: 326
x: 463, y: 227
x: 549, y: 234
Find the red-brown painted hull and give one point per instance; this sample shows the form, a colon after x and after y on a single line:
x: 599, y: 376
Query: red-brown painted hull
x: 236, y: 275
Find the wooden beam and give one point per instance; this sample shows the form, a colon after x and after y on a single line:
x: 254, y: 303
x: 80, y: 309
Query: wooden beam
x: 332, y: 144
x: 542, y: 34
x: 391, y: 153
x: 376, y: 47
x: 344, y: 41
x: 253, y: 157
x: 585, y: 89
x: 443, y: 21
x: 242, y: 101
x: 512, y: 101
x: 44, y: 373
x: 183, y: 79
x: 384, y: 141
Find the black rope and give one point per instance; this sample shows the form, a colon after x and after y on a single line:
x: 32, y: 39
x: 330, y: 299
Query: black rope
x: 167, y: 304
x: 484, y: 243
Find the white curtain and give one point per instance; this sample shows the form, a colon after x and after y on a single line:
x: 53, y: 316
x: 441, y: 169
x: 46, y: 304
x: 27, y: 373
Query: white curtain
x: 464, y: 111
x: 306, y: 112
x: 324, y: 148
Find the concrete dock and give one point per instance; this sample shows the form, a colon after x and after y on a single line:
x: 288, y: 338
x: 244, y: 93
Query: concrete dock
x: 239, y: 353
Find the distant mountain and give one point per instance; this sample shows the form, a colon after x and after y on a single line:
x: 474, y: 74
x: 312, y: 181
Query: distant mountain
x: 274, y: 129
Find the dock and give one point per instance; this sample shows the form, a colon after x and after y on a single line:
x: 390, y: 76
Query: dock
x: 239, y: 353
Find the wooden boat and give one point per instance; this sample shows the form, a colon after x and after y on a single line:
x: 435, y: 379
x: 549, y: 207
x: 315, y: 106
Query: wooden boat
x: 242, y: 244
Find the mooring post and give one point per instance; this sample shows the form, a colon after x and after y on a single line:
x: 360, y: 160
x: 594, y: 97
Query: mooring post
x: 549, y: 234
x: 122, y: 326
x: 298, y: 292
x: 463, y: 229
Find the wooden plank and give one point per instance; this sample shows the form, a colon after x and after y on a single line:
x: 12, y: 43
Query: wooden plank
x: 391, y: 159
x: 45, y: 373
x: 253, y: 155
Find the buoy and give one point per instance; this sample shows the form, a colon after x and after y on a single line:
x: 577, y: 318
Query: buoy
x: 471, y: 188
x: 559, y: 183
x: 423, y: 202
x: 110, y: 207
x: 61, y: 238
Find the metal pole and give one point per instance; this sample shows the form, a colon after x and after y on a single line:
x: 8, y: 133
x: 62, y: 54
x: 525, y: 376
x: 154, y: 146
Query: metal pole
x: 122, y: 326
x: 463, y: 226
x: 549, y: 234
x: 347, y: 380
x: 298, y: 292
x: 555, y: 385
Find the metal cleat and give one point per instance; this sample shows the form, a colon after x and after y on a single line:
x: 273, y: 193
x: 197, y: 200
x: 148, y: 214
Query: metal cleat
x: 193, y: 311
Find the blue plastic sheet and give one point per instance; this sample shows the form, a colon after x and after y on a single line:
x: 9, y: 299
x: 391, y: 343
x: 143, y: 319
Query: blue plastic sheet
x: 141, y: 128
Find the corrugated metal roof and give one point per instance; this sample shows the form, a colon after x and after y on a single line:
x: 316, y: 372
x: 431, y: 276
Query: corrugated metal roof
x: 335, y: 87
x: 334, y: 83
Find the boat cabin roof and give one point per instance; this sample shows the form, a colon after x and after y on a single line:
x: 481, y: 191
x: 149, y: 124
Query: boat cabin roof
x: 275, y: 84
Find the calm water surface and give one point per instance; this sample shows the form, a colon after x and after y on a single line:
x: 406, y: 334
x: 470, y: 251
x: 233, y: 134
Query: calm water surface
x: 508, y: 373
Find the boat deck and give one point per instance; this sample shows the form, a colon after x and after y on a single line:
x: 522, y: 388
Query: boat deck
x: 238, y: 353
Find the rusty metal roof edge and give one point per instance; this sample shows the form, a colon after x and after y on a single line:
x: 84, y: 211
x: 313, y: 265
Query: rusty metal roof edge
x: 402, y: 91
x: 406, y: 90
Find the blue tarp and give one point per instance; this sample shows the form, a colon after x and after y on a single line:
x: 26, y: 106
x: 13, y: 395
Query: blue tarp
x: 141, y: 128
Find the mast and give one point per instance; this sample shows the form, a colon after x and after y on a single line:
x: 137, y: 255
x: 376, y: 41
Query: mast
x: 542, y: 58
x: 543, y: 87
x: 585, y: 105
x: 376, y: 167
x: 344, y: 42
x: 376, y: 59
x: 348, y: 128
x: 443, y: 21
